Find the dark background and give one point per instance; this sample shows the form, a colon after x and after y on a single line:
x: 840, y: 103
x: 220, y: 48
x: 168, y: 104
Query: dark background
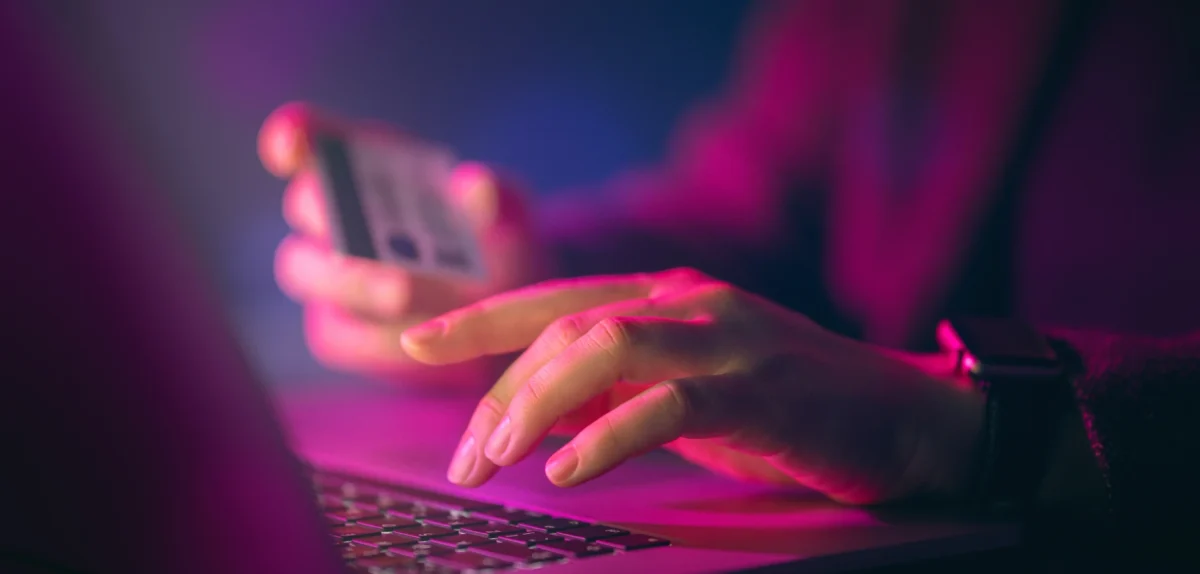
x: 564, y: 93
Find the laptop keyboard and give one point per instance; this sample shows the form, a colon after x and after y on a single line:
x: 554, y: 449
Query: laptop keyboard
x: 389, y: 529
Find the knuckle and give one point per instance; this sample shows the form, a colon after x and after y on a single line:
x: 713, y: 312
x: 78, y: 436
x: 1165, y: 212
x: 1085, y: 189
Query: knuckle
x: 567, y: 330
x: 720, y: 296
x: 490, y: 408
x: 611, y: 334
x: 685, y: 275
x: 610, y: 439
x: 678, y: 400
x: 535, y: 389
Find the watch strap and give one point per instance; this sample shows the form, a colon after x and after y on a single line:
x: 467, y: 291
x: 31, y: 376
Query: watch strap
x: 1021, y: 419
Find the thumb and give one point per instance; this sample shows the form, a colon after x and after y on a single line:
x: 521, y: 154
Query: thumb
x: 283, y: 139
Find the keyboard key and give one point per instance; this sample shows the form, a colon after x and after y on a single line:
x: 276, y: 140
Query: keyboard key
x: 363, y: 500
x: 468, y: 561
x: 574, y: 548
x: 419, y: 550
x: 349, y: 493
x: 455, y: 520
x: 427, y: 531
x: 352, y: 514
x: 387, y: 539
x: 493, y: 529
x: 510, y: 516
x: 514, y: 553
x: 388, y: 522
x: 593, y: 533
x: 460, y: 540
x: 389, y: 500
x: 529, y: 538
x: 634, y: 542
x: 553, y: 524
x: 346, y: 533
x: 386, y: 565
x: 354, y: 551
x: 416, y: 511
x: 437, y: 499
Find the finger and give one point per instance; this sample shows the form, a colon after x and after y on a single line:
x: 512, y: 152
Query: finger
x: 571, y: 423
x: 559, y: 336
x: 309, y: 271
x: 283, y: 139
x: 470, y: 467
x: 635, y: 350
x: 342, y: 341
x: 304, y: 206
x: 511, y: 321
x: 565, y: 331
x: 661, y: 414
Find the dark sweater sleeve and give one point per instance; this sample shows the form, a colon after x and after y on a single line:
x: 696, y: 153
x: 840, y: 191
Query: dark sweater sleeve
x: 1139, y: 398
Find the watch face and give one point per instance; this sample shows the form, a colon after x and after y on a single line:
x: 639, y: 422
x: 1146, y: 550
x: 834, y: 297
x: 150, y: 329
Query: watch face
x: 1001, y: 346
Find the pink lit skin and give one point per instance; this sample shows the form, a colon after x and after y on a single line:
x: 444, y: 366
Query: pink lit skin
x: 753, y: 390
x: 356, y: 311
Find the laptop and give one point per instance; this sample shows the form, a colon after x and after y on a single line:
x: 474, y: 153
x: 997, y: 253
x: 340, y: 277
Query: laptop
x: 138, y: 438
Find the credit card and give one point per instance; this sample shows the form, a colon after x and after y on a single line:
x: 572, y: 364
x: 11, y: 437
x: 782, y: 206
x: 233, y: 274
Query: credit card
x: 389, y: 201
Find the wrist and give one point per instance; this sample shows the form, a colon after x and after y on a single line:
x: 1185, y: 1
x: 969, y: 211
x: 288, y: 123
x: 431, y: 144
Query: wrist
x: 949, y: 422
x: 952, y: 443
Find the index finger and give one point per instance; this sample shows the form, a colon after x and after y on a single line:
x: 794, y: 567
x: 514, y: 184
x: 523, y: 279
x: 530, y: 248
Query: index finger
x: 283, y: 139
x: 690, y: 407
x: 512, y: 321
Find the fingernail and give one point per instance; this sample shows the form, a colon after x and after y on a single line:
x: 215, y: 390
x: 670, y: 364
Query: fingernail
x: 562, y: 465
x: 426, y: 332
x: 463, y: 462
x: 498, y: 444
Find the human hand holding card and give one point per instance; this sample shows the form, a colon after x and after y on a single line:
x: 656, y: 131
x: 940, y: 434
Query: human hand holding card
x: 387, y: 232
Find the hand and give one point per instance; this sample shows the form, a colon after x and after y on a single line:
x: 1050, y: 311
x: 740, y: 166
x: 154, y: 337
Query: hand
x: 727, y: 379
x: 355, y: 309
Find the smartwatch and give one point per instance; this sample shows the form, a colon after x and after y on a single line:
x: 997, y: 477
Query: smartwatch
x: 1027, y: 394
